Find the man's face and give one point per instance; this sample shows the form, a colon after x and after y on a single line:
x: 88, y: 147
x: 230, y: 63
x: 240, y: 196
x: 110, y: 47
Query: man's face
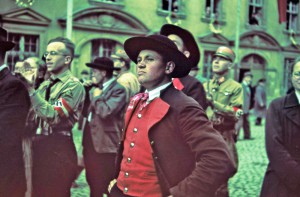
x: 151, y: 69
x: 220, y: 65
x: 98, y: 76
x: 57, y: 59
x: 118, y: 64
x: 296, y: 77
x: 248, y: 79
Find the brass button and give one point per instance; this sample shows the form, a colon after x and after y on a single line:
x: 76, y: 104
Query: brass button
x: 135, y: 130
x: 139, y: 115
x: 125, y: 189
x: 131, y: 144
x: 129, y: 160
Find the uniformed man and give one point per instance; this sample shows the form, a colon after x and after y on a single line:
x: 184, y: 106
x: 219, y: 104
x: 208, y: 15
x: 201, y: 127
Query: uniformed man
x: 225, y: 97
x: 56, y: 104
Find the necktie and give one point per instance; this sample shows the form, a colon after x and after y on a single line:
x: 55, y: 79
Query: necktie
x: 48, y: 90
x: 47, y: 96
x: 143, y: 97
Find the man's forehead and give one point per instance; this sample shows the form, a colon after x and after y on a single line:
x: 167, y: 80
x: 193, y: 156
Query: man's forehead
x: 147, y: 52
x: 56, y: 45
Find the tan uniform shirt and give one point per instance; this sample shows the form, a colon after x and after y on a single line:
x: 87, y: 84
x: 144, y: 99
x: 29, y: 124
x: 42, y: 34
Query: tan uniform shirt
x: 64, y: 105
x: 226, y: 95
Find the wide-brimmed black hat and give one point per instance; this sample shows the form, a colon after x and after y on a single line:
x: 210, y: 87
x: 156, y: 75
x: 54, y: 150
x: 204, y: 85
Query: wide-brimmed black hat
x: 164, y: 46
x: 102, y: 63
x: 188, y: 39
x: 4, y: 44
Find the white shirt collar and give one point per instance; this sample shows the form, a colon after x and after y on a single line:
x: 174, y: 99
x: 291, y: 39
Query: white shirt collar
x: 2, y: 67
x: 298, y: 95
x: 155, y: 93
x: 107, y: 83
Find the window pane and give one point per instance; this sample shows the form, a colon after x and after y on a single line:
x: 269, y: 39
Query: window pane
x: 25, y: 46
x: 103, y: 48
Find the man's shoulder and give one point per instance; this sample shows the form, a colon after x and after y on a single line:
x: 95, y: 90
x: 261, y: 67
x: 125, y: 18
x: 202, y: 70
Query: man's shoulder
x: 177, y: 98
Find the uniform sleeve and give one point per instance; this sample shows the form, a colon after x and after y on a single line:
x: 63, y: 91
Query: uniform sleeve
x: 285, y: 166
x: 108, y: 106
x: 67, y: 106
x: 213, y: 163
x: 236, y: 101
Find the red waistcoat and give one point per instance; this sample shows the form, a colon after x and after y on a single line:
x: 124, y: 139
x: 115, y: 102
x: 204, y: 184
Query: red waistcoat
x: 137, y: 176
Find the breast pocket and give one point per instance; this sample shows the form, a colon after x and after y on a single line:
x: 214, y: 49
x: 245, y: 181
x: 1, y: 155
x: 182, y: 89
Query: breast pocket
x: 224, y: 96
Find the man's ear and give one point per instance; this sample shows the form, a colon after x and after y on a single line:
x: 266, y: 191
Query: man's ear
x: 170, y: 67
x: 187, y: 54
x: 68, y: 59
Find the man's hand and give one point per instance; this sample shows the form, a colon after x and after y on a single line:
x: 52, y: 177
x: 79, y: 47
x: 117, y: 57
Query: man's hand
x: 88, y: 83
x: 111, y: 184
x: 239, y: 113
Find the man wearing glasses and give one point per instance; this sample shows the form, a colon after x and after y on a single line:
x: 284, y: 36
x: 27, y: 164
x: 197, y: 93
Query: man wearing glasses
x: 56, y: 105
x: 282, y: 142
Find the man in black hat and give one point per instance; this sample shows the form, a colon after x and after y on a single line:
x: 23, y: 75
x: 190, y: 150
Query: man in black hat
x: 14, y: 106
x: 103, y: 131
x: 169, y: 147
x: 186, y: 44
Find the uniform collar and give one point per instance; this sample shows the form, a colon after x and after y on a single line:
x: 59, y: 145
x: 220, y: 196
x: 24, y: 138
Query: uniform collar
x: 62, y: 76
x: 220, y: 79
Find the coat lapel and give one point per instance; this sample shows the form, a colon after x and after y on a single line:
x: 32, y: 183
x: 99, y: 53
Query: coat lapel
x: 159, y: 109
x: 292, y: 107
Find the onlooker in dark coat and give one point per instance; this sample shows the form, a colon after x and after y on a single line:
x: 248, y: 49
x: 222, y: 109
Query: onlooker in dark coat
x: 168, y: 147
x: 243, y: 122
x: 260, y: 102
x: 103, y: 131
x: 187, y: 45
x: 282, y: 177
x: 14, y: 106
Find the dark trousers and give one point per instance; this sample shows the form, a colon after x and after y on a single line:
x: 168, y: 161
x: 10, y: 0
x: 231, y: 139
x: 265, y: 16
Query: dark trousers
x: 258, y: 121
x: 116, y: 192
x: 99, y: 167
x: 54, y: 166
x: 246, y: 126
x: 244, y: 123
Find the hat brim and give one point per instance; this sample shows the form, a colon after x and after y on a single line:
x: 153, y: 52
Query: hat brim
x: 133, y: 46
x: 224, y: 56
x: 188, y: 39
x: 6, y: 45
x: 99, y: 66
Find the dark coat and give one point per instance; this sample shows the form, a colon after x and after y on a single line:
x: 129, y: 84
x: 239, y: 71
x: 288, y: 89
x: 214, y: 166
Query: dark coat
x: 282, y: 178
x: 191, y: 158
x: 260, y: 101
x: 108, y: 118
x: 14, y: 106
x: 194, y: 88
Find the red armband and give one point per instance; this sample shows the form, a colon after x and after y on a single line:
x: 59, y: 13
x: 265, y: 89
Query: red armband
x: 235, y: 109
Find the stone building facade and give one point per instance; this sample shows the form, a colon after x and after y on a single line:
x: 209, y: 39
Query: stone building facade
x: 100, y: 27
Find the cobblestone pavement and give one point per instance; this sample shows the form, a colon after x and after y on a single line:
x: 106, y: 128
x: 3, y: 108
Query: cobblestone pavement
x: 246, y: 182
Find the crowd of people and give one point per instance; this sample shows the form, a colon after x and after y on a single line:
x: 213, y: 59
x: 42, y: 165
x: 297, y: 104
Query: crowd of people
x: 156, y: 132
